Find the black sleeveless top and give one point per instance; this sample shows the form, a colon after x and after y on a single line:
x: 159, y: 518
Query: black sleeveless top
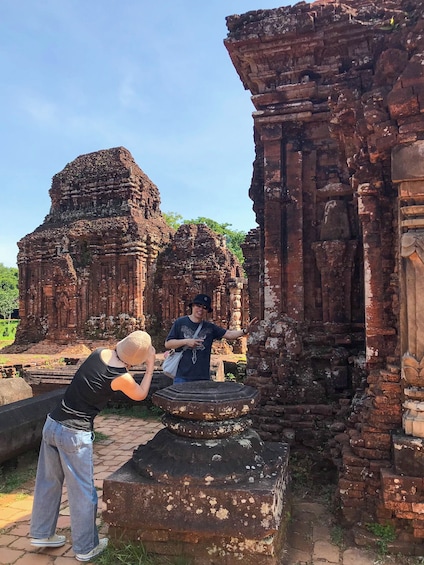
x: 87, y: 394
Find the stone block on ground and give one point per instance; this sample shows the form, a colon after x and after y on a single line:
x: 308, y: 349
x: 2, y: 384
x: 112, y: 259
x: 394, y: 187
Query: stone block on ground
x: 12, y: 390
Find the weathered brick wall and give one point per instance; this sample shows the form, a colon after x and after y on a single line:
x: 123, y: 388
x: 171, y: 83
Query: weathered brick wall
x: 336, y: 87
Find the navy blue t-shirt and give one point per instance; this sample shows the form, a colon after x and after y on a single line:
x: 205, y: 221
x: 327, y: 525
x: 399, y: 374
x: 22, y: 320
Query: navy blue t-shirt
x: 195, y: 363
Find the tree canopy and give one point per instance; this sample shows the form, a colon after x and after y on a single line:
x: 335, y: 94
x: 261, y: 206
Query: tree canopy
x: 9, y: 290
x: 234, y: 238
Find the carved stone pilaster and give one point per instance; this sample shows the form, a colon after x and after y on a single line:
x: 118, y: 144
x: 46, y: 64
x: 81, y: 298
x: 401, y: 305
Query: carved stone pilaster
x: 236, y: 314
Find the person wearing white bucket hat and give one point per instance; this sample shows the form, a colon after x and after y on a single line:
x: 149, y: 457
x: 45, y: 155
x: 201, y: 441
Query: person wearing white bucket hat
x: 66, y: 451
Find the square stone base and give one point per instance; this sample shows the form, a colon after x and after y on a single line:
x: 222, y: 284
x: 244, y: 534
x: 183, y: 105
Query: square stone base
x: 211, y: 525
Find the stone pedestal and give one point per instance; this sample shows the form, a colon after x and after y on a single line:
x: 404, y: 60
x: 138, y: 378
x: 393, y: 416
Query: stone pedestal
x: 206, y: 487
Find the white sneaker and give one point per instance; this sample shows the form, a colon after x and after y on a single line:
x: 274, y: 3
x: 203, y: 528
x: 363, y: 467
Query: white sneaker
x: 94, y: 552
x: 52, y: 541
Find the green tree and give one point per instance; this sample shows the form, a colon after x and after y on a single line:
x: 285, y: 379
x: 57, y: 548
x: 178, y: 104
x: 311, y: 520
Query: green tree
x: 173, y: 220
x: 9, y: 291
x: 234, y: 238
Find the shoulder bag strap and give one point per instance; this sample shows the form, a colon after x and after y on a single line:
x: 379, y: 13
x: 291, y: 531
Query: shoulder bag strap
x: 196, y: 333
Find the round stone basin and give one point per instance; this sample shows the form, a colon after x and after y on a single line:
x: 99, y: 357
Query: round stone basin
x: 207, y: 400
x: 207, y: 438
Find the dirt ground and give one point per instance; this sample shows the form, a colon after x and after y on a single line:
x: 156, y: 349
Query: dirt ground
x: 44, y: 352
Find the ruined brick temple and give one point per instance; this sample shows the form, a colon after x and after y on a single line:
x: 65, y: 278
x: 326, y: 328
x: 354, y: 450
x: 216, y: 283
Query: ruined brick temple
x: 89, y: 270
x: 336, y: 263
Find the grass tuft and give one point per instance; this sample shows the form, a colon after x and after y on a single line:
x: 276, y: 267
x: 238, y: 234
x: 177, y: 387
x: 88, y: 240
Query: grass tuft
x: 134, y: 553
x: 384, y: 533
x: 15, y: 473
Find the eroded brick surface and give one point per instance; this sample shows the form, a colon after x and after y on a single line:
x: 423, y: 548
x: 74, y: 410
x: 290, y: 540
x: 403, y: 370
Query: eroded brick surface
x: 337, y: 91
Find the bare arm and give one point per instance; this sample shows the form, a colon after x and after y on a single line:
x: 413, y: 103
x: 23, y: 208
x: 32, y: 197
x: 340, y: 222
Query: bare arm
x: 177, y: 343
x: 126, y: 383
x: 235, y: 334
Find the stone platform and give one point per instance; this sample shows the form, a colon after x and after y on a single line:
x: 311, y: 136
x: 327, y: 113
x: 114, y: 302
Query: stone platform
x: 213, y: 525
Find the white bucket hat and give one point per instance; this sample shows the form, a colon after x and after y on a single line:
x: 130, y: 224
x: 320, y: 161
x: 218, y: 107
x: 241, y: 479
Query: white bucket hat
x: 134, y: 349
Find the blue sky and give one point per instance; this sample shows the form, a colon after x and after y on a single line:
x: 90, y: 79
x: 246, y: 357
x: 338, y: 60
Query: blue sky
x: 83, y: 75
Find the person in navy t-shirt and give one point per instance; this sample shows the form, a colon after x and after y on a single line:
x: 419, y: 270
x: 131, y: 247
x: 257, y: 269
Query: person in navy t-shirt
x: 195, y: 361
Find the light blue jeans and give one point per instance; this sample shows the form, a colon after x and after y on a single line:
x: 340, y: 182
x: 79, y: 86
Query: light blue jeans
x: 65, y: 454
